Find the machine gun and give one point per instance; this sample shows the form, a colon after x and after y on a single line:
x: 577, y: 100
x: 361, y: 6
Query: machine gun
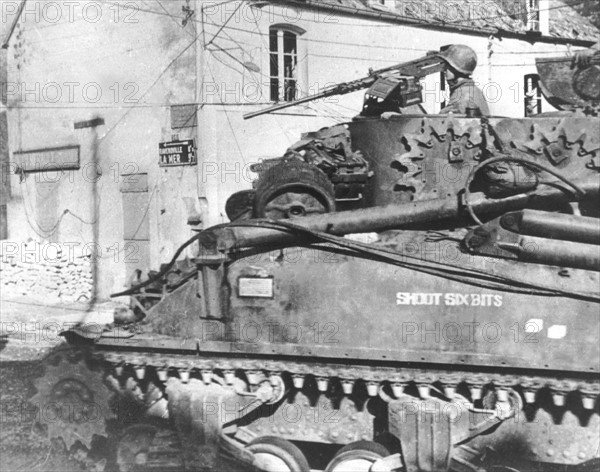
x: 389, y: 88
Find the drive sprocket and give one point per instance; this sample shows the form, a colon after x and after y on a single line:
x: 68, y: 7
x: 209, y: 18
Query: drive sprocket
x: 72, y: 400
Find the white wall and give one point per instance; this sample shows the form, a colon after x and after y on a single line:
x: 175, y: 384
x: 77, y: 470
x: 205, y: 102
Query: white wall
x: 152, y: 58
x: 56, y: 69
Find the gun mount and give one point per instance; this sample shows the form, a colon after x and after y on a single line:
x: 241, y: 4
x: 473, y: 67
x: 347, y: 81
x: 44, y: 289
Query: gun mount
x: 389, y: 89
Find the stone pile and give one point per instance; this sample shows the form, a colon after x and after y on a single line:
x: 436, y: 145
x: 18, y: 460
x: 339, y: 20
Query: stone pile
x: 49, y: 272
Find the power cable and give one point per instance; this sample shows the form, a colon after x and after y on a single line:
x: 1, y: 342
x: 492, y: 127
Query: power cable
x: 47, y: 233
x: 228, y: 120
x: 229, y: 66
x: 222, y: 27
x: 174, y: 18
x: 263, y: 34
x: 267, y: 48
x: 163, y: 72
x: 427, y: 22
x: 395, y: 48
x: 409, y: 20
x: 244, y: 51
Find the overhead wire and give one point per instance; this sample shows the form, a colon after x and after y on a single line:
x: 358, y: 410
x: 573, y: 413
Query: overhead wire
x: 425, y: 21
x: 244, y: 51
x: 173, y: 17
x: 223, y: 27
x: 328, y: 112
x: 229, y: 66
x: 253, y: 73
x: 229, y: 120
x: 233, y: 28
x: 162, y: 73
x: 349, y: 44
x: 267, y: 48
x: 400, y: 17
x: 47, y: 233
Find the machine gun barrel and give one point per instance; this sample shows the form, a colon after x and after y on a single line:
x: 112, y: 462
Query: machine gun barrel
x: 232, y: 237
x: 421, y: 67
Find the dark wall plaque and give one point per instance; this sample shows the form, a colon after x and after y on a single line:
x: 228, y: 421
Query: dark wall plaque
x: 177, y: 153
x: 40, y: 160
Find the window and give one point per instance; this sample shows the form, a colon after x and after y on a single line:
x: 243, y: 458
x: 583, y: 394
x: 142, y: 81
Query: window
x: 533, y: 15
x: 443, y: 89
x: 524, y: 11
x: 533, y: 95
x: 283, y: 49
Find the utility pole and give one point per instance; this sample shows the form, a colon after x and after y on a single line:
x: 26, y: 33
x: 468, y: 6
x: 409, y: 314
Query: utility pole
x: 205, y: 128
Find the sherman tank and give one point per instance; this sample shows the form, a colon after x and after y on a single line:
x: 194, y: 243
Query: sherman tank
x: 405, y: 292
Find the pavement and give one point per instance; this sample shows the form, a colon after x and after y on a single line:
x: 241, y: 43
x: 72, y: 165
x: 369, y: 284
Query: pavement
x: 29, y: 329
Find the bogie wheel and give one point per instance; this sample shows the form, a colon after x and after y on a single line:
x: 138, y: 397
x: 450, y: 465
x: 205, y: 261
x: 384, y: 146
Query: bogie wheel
x: 357, y: 457
x: 133, y: 448
x: 273, y: 454
x: 291, y: 189
x: 144, y: 447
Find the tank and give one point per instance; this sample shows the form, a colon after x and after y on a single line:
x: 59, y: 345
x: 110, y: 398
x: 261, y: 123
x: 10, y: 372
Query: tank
x: 421, y: 295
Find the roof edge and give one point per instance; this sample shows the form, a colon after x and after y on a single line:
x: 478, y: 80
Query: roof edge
x: 390, y: 17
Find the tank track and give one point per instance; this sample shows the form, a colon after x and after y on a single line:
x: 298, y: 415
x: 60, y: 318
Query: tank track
x: 345, y: 389
x: 565, y: 391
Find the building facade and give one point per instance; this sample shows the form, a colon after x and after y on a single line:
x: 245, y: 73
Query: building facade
x: 98, y: 96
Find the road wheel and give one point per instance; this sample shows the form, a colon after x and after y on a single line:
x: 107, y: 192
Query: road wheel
x: 273, y: 454
x: 357, y: 457
x: 133, y: 448
x: 144, y: 447
x: 293, y: 189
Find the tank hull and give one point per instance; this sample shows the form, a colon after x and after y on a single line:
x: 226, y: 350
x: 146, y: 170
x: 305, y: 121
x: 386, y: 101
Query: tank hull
x: 344, y: 331
x: 326, y: 304
x: 287, y: 337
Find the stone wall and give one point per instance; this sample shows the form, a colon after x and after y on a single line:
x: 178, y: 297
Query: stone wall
x: 52, y: 273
